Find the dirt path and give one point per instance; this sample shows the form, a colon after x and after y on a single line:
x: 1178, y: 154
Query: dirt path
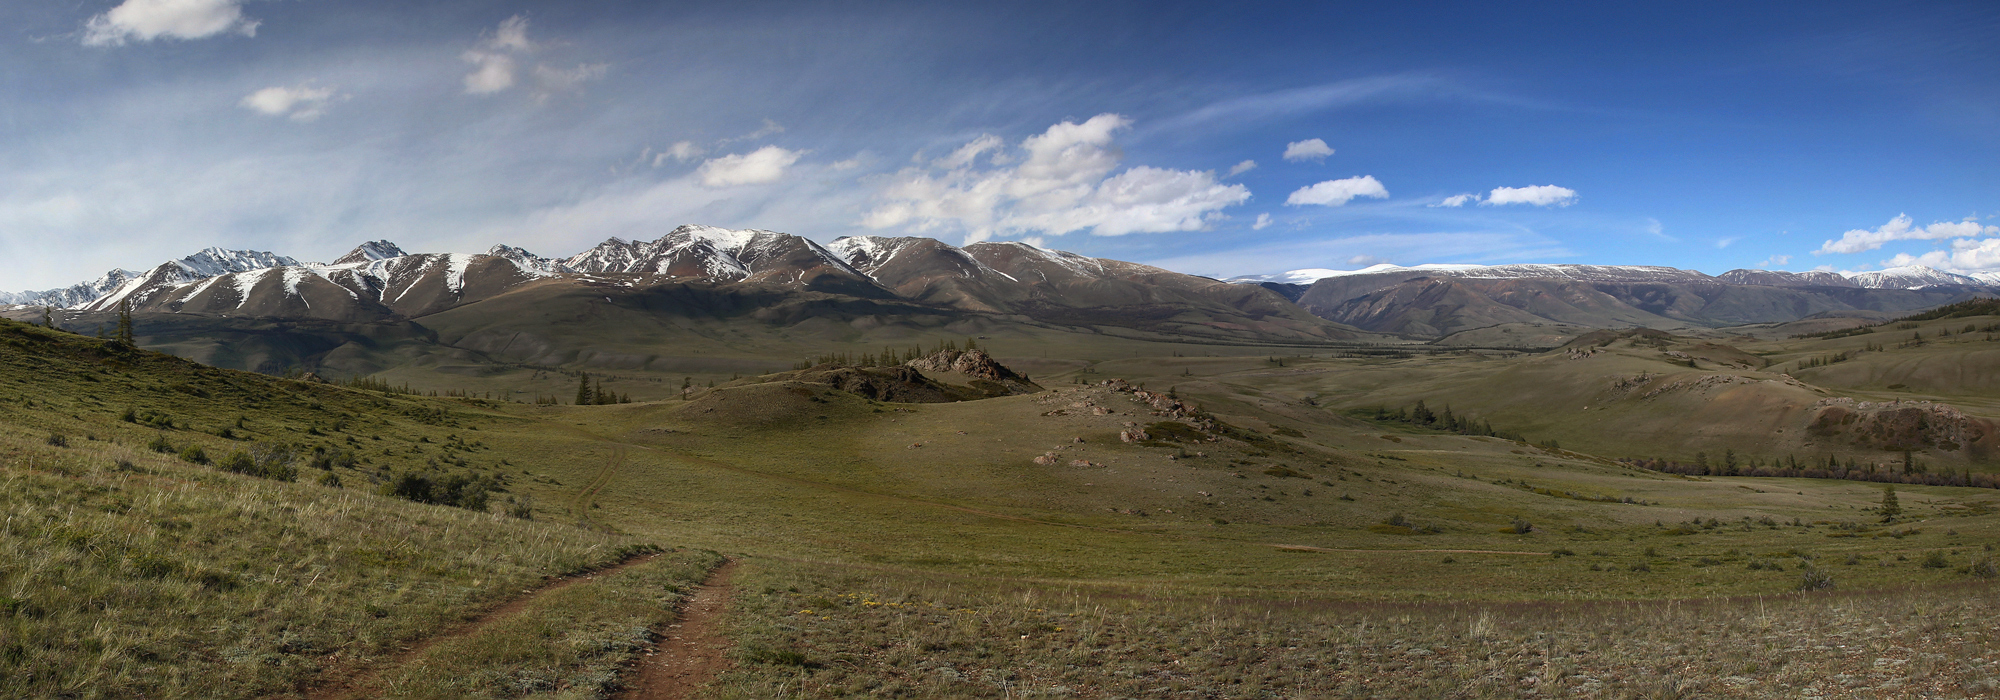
x: 355, y: 681
x: 692, y: 650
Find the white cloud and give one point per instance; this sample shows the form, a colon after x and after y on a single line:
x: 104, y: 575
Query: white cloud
x: 757, y: 167
x: 1241, y: 168
x: 554, y: 80
x: 965, y: 155
x: 498, y: 61
x: 1726, y: 242
x: 1334, y: 193
x: 1457, y: 200
x: 1659, y: 230
x: 1775, y: 261
x: 511, y: 36
x: 1263, y: 222
x: 1309, y: 149
x: 302, y: 103
x: 146, y: 20
x: 769, y: 129
x: 1903, y: 228
x: 848, y: 164
x: 1360, y: 261
x: 682, y: 151
x: 1537, y: 195
x: 1966, y: 255
x: 1063, y: 182
x: 492, y: 72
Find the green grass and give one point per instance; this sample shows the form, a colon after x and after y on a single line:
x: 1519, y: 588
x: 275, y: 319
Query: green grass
x: 129, y: 574
x: 570, y: 643
x: 1260, y: 559
x: 822, y: 631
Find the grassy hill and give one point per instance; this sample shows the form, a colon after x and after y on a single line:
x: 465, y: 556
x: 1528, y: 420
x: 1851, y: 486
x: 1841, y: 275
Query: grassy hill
x: 136, y: 566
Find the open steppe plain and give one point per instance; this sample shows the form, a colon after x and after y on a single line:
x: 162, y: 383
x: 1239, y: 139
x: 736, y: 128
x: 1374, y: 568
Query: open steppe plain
x: 1269, y: 538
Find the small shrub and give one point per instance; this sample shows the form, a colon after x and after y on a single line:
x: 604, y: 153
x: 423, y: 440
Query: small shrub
x: 1935, y: 560
x: 1642, y: 566
x: 237, y: 461
x: 520, y: 508
x: 330, y: 480
x: 1815, y: 579
x: 161, y: 444
x: 759, y: 654
x: 194, y: 454
x: 1984, y: 568
x: 58, y: 440
x: 1560, y: 553
x: 1521, y: 527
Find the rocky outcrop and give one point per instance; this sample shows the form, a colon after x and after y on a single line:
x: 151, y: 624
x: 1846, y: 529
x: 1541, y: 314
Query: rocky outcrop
x: 981, y: 368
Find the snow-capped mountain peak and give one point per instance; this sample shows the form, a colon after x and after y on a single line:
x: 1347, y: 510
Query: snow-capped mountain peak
x: 372, y: 250
x: 217, y: 261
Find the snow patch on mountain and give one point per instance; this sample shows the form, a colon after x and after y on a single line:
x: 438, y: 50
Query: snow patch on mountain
x: 1912, y: 277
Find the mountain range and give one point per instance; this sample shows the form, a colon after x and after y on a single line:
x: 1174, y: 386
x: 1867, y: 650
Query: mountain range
x: 701, y: 284
x: 1438, y: 301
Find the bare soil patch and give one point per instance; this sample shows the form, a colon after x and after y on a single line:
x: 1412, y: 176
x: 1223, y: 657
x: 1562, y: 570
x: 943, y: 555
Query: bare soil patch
x: 692, y: 650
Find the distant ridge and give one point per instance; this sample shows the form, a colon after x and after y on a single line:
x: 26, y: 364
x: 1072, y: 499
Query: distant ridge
x: 1910, y: 277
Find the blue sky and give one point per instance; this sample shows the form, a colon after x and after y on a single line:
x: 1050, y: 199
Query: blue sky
x: 1708, y: 136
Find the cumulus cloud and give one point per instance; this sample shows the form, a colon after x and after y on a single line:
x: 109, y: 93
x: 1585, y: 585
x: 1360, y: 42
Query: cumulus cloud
x: 1457, y: 200
x: 511, y: 36
x: 1903, y: 228
x: 1334, y: 193
x: 492, y: 72
x: 301, y: 103
x: 1966, y: 255
x: 497, y: 65
x: 1310, y: 149
x: 757, y: 167
x: 146, y: 20
x: 1060, y: 181
x: 1537, y: 195
x: 1241, y: 168
x: 1263, y: 222
x: 1775, y: 261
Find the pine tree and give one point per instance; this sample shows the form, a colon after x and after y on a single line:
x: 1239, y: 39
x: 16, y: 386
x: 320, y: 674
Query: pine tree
x: 583, y: 396
x: 602, y: 398
x: 125, y: 321
x: 1890, y: 508
x: 48, y: 319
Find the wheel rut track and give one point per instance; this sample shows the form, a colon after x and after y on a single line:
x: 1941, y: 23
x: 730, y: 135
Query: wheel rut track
x: 360, y: 678
x: 691, y: 650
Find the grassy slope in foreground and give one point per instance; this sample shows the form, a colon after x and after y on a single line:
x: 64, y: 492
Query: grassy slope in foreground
x: 129, y: 573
